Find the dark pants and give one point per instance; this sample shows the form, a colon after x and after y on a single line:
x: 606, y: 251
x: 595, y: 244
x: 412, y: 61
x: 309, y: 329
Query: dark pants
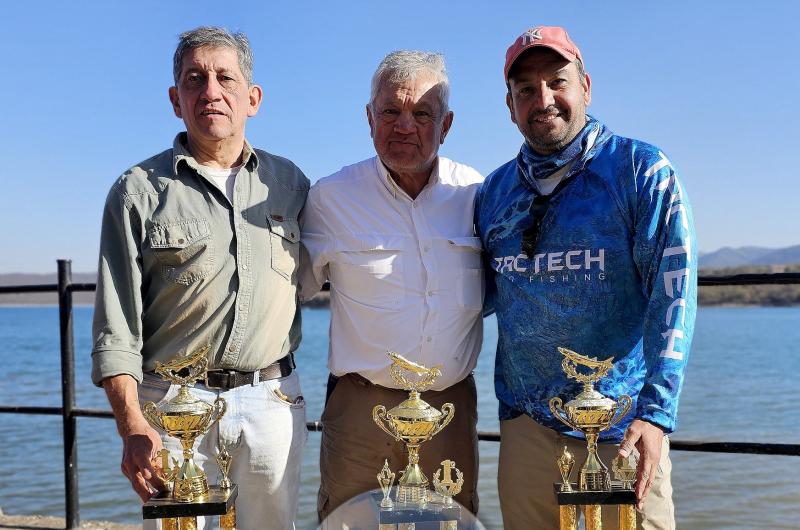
x: 353, y: 448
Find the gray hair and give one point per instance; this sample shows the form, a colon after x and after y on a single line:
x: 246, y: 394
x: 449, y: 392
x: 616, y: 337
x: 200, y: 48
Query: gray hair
x: 402, y: 65
x: 217, y: 38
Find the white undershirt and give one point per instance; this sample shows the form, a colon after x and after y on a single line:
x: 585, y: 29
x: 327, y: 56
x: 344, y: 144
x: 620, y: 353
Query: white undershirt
x: 223, y: 178
x: 547, y: 185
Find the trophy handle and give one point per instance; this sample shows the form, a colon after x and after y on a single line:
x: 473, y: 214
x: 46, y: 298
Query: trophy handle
x: 379, y: 416
x: 624, y: 405
x: 152, y: 415
x: 449, y: 411
x: 220, y: 406
x: 557, y: 410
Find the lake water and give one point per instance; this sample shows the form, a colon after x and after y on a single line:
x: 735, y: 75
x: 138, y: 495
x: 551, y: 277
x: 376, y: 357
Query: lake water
x: 741, y: 385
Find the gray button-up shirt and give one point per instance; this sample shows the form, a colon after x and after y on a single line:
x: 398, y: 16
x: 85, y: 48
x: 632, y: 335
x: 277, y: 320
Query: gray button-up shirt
x: 180, y: 267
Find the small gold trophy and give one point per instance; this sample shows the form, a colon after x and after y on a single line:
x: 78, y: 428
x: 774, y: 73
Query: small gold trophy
x: 385, y: 480
x: 413, y: 422
x: 186, y: 417
x: 591, y: 413
x: 447, y: 487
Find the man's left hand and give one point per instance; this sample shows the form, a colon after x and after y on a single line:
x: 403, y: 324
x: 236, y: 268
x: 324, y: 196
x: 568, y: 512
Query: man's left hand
x: 647, y: 439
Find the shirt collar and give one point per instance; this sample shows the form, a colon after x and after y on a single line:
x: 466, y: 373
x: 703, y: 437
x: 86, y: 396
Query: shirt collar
x: 392, y: 186
x: 181, y: 153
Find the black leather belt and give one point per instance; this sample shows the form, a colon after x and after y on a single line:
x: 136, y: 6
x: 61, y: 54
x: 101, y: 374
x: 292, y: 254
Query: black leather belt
x: 227, y: 379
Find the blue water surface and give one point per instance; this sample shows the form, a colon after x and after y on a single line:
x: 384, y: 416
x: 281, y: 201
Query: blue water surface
x: 740, y: 386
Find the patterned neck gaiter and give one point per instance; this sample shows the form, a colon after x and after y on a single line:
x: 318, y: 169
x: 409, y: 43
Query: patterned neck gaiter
x: 532, y: 165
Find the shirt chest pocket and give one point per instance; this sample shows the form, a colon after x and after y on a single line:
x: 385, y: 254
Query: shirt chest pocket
x: 183, y: 250
x: 369, y: 270
x: 462, y: 257
x: 284, y: 245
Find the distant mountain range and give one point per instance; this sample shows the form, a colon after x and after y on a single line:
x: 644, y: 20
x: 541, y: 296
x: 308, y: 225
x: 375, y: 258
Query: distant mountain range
x: 748, y: 256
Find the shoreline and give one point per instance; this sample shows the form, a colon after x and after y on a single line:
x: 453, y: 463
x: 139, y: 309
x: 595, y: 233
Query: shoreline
x: 46, y: 522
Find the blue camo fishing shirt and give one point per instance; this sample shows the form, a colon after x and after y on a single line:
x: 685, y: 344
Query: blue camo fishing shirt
x: 614, y: 274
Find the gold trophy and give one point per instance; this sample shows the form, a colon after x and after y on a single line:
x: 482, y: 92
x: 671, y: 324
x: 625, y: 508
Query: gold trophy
x: 590, y: 412
x: 413, y: 422
x: 385, y: 480
x: 186, y: 417
x: 447, y: 487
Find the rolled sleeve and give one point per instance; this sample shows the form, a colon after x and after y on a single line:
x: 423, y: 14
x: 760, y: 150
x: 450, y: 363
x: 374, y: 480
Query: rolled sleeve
x: 108, y: 363
x: 117, y: 324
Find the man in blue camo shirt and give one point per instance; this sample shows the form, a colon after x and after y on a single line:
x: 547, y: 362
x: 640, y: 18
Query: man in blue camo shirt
x: 590, y: 242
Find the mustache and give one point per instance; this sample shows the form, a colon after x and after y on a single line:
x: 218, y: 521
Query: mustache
x: 550, y: 111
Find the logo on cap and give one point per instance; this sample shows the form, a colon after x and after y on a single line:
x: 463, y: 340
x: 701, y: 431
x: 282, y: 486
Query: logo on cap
x: 531, y: 35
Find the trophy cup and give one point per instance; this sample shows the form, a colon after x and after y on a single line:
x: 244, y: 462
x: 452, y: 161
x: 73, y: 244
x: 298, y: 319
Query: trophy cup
x: 412, y: 422
x: 186, y: 417
x: 591, y: 413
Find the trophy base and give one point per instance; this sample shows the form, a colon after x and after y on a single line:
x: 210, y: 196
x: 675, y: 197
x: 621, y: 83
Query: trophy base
x: 616, y: 494
x: 218, y: 501
x: 435, y: 510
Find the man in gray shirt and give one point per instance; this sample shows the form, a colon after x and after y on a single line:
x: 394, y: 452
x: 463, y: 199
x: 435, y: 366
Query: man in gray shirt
x: 200, y: 246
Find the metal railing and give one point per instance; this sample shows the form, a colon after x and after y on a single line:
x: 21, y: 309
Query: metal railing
x: 69, y: 412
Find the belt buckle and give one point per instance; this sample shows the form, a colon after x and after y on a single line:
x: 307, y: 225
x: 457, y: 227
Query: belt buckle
x: 227, y: 373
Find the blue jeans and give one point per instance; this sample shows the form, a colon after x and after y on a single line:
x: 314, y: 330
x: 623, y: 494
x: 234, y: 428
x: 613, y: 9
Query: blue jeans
x: 264, y: 434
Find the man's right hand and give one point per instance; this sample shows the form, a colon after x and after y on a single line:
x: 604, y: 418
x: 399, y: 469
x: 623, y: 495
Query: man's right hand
x: 141, y: 443
x: 140, y: 461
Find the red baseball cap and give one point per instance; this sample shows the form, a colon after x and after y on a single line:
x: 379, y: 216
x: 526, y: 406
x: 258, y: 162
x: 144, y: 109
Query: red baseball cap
x: 552, y: 37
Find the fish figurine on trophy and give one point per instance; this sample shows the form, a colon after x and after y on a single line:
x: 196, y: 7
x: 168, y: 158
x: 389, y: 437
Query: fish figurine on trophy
x: 412, y: 422
x: 186, y: 417
x: 590, y: 412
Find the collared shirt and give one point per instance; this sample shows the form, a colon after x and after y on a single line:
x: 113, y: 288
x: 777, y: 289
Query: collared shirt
x: 181, y: 267
x: 405, y: 273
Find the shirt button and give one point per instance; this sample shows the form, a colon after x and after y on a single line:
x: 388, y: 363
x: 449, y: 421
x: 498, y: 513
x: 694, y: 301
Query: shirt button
x: 428, y: 339
x: 232, y: 348
x: 426, y: 249
x: 244, y: 267
x: 430, y: 293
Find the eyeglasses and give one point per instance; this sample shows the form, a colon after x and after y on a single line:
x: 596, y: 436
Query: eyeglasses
x: 531, y: 235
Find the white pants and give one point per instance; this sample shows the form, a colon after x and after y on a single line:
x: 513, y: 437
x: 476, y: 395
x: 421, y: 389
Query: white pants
x: 265, y: 436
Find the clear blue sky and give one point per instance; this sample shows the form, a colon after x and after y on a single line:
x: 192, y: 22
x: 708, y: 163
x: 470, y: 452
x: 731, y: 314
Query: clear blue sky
x: 84, y: 94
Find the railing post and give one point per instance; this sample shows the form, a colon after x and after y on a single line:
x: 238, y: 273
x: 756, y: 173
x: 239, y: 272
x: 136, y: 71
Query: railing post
x: 68, y: 393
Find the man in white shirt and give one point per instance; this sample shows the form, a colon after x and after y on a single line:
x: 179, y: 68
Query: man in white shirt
x: 394, y: 235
